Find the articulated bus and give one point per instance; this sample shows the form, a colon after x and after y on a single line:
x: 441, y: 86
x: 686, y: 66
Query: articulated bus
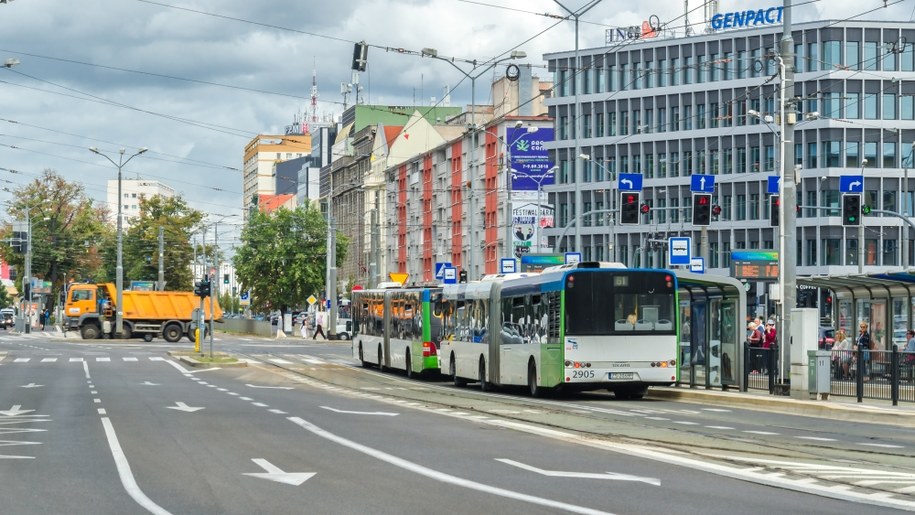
x: 395, y: 328
x: 582, y: 326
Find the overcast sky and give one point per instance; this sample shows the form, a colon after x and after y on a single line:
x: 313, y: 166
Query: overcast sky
x: 195, y: 80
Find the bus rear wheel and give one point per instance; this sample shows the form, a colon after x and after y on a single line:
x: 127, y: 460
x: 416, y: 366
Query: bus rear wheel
x: 460, y: 382
x: 380, y: 362
x: 409, y: 366
x: 535, y: 389
x: 484, y: 385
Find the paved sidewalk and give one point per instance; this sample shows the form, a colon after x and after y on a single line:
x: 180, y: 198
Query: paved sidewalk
x: 839, y: 408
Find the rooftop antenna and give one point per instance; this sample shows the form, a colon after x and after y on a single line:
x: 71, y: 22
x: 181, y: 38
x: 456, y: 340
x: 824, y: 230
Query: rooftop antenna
x: 689, y: 30
x: 313, y: 119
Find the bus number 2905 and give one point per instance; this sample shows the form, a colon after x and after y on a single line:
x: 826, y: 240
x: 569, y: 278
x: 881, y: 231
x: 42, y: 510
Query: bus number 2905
x: 582, y: 374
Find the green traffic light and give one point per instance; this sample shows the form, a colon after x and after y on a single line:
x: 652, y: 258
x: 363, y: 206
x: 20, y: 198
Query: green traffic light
x: 866, y: 209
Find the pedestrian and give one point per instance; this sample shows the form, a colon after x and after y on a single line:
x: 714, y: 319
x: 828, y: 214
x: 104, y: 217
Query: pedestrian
x: 320, y: 320
x: 908, y: 357
x: 754, y: 340
x: 769, y: 343
x: 842, y: 355
x: 863, y: 343
x: 305, y: 327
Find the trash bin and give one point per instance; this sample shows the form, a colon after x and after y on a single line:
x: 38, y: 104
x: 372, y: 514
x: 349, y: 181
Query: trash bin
x: 819, y: 373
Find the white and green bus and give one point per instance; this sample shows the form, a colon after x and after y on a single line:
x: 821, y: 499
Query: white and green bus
x: 584, y: 326
x: 395, y: 328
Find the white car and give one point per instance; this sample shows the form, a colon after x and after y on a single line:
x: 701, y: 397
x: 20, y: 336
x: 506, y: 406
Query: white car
x: 344, y: 328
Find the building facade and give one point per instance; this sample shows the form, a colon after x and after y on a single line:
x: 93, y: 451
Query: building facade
x: 709, y: 104
x: 132, y: 192
x: 260, y: 157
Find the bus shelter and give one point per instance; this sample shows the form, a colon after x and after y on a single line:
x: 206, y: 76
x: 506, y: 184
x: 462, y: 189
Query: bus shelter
x: 886, y: 301
x: 712, y: 330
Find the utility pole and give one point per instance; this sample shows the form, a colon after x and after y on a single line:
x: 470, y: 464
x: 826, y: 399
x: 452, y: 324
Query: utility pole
x: 161, y: 285
x: 331, y: 280
x: 788, y: 217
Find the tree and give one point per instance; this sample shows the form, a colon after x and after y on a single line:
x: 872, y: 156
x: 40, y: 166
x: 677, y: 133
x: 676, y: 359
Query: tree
x: 281, y: 260
x: 141, y: 242
x: 67, y: 231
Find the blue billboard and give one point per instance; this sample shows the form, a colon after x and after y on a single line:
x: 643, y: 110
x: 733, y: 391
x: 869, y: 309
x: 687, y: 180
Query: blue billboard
x: 530, y: 164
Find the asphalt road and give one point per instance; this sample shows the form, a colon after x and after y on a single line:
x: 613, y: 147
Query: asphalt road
x: 112, y: 427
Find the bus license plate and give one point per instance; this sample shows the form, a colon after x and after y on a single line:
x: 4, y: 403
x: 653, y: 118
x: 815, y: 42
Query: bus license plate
x: 622, y: 375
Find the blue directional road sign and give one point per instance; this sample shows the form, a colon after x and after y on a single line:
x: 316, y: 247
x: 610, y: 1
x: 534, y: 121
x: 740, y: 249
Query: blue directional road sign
x: 630, y: 182
x: 702, y: 184
x: 449, y: 275
x: 773, y: 184
x: 244, y: 295
x: 440, y: 269
x: 679, y: 251
x: 851, y: 184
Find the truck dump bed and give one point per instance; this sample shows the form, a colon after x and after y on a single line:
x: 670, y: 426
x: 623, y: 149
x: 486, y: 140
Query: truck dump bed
x: 165, y: 305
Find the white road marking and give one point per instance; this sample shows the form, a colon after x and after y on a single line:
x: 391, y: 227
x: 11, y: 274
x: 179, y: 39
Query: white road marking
x: 379, y: 413
x: 127, y: 479
x: 259, y: 404
x: 816, y: 438
x: 581, y: 475
x: 76, y: 360
x: 686, y: 423
x: 883, y: 445
x: 274, y: 473
x: 101, y: 411
x: 130, y: 358
x: 277, y: 412
x: 21, y: 360
x: 157, y: 358
x: 48, y: 360
x: 717, y: 410
x: 180, y: 406
x: 724, y: 428
x: 31, y: 385
x: 438, y: 475
x: 656, y: 418
x: 269, y: 387
x: 279, y: 361
x: 105, y: 359
x: 15, y: 411
x: 246, y: 398
x: 764, y: 433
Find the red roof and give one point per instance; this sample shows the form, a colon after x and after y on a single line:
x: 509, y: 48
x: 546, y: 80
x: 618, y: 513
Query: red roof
x: 390, y: 133
x: 270, y: 203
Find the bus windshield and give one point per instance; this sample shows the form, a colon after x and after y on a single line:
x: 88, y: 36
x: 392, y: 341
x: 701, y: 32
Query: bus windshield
x: 620, y: 302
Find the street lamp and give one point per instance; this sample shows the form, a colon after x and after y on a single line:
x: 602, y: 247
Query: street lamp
x: 483, y: 67
x: 119, y: 270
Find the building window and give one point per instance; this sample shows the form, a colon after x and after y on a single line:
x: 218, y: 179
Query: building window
x: 743, y: 65
x: 811, y: 155
x: 889, y: 154
x: 852, y: 55
x: 611, y: 78
x: 889, y: 59
x: 676, y: 73
x: 674, y: 163
x: 727, y: 204
x: 728, y: 161
x: 832, y: 55
x: 770, y: 157
x: 870, y: 153
x: 889, y: 252
x: 624, y: 123
x: 852, y: 154
x: 852, y: 103
x: 662, y: 165
x: 754, y: 159
x: 599, y: 125
x: 662, y: 119
x: 611, y: 123
x: 674, y: 118
x: 870, y: 56
x: 587, y: 126
x: 715, y: 163
x: 907, y: 63
x: 832, y: 150
x: 649, y: 117
x: 906, y: 107
x: 831, y: 104
x: 687, y: 163
x: 601, y: 77
x: 832, y: 255
x: 754, y: 207
x: 700, y: 116
x: 741, y: 160
x: 624, y: 77
x: 662, y: 72
x: 741, y: 208
x: 889, y: 106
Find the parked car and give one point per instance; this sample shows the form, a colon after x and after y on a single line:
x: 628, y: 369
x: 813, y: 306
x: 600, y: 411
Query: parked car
x: 827, y: 338
x: 6, y: 317
x: 344, y: 328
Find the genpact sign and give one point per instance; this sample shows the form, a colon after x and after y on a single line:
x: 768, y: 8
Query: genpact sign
x: 733, y: 20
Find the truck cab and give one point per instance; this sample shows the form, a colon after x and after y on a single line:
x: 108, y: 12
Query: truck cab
x: 85, y: 301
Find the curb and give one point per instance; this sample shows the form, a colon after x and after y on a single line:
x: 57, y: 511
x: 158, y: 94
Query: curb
x: 194, y: 363
x: 894, y: 415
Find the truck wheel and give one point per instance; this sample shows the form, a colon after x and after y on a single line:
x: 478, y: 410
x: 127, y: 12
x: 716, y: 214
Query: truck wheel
x: 126, y: 333
x: 172, y: 333
x: 89, y: 332
x: 148, y: 337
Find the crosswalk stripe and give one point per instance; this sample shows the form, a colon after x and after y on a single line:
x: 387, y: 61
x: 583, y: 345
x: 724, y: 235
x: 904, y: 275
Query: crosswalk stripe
x: 279, y: 361
x: 128, y: 358
x: 102, y: 358
x: 76, y: 360
x: 48, y: 360
x: 21, y: 360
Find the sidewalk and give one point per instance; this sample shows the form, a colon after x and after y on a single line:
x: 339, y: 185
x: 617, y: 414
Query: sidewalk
x: 838, y: 408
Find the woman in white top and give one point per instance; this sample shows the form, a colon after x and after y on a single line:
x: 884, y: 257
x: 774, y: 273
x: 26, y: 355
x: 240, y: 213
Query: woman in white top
x: 842, y: 353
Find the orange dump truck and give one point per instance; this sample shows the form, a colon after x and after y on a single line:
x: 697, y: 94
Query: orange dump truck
x: 90, y: 309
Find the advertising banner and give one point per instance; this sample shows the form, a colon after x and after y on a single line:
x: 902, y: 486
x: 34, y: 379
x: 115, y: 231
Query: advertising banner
x: 528, y: 223
x: 529, y: 158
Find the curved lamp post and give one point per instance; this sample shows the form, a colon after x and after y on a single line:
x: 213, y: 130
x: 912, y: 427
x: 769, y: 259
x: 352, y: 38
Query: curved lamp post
x: 119, y: 271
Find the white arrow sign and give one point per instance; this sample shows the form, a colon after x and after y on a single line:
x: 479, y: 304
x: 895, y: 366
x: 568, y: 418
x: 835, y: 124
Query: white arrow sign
x: 275, y: 474
x: 583, y: 475
x: 853, y: 185
x: 31, y: 385
x: 702, y: 183
x: 15, y: 410
x: 180, y: 406
x: 627, y: 182
x: 270, y: 387
x: 380, y: 413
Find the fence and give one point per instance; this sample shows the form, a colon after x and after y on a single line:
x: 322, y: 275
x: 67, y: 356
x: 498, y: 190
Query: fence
x: 863, y: 374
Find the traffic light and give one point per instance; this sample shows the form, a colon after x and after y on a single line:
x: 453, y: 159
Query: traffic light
x: 702, y: 209
x: 716, y: 210
x: 225, y: 278
x: 197, y: 285
x: 851, y: 209
x: 630, y: 207
x: 202, y: 288
x: 774, y: 203
x: 462, y: 276
x: 360, y: 56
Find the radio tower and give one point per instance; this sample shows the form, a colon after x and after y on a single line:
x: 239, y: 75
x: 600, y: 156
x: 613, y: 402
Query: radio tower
x: 313, y: 118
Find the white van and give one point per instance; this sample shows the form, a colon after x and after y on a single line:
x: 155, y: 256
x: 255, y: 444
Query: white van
x: 344, y: 328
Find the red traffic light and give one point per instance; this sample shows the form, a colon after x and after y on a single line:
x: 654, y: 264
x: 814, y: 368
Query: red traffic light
x: 630, y: 199
x: 716, y: 210
x: 644, y: 208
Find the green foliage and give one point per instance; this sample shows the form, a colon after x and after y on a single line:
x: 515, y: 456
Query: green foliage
x: 141, y: 242
x: 5, y: 299
x: 67, y: 231
x: 281, y: 260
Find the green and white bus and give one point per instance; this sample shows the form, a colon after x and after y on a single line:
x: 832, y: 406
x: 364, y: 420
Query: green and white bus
x: 395, y: 328
x: 583, y: 326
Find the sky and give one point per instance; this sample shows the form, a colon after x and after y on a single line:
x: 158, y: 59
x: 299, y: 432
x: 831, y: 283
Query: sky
x: 195, y: 80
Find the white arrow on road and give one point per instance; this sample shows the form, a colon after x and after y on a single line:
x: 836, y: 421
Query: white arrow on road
x: 582, y: 475
x: 180, y: 406
x: 380, y: 413
x: 149, y: 383
x: 15, y: 410
x: 271, y: 387
x: 273, y: 473
x: 31, y: 385
x: 626, y: 181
